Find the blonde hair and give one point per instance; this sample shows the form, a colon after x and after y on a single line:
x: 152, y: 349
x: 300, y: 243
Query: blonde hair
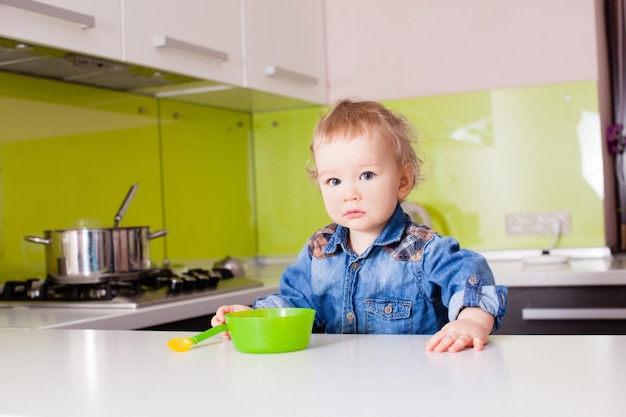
x: 350, y: 118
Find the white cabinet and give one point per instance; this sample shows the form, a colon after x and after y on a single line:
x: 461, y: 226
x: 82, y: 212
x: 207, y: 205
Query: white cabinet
x: 273, y: 46
x: 89, y: 26
x: 196, y: 38
x: 285, y: 49
x: 408, y: 48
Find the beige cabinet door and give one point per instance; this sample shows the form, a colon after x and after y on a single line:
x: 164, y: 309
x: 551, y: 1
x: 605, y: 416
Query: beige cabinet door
x: 401, y: 49
x: 284, y: 48
x: 196, y: 38
x: 87, y: 26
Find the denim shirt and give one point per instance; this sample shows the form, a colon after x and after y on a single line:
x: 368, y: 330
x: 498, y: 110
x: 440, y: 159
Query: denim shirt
x: 411, y: 280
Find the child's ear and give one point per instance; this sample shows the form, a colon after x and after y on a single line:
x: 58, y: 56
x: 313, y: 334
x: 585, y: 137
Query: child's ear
x: 407, y: 178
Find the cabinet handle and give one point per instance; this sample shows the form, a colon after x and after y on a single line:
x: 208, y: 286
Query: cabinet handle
x: 162, y: 41
x: 574, y: 313
x: 85, y: 20
x: 274, y: 71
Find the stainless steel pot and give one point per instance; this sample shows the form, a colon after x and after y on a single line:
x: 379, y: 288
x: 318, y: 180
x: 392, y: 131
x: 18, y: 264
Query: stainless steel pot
x: 86, y: 256
x: 80, y: 256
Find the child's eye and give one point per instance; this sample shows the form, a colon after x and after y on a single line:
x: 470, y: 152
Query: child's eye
x: 333, y: 182
x: 367, y: 176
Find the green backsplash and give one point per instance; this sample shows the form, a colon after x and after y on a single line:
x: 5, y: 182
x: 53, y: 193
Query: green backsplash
x: 207, y: 182
x: 530, y: 149
x: 225, y: 182
x: 69, y: 155
x: 486, y: 154
x: 289, y: 205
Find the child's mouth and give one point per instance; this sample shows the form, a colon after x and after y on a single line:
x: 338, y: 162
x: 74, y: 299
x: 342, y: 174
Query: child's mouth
x: 354, y: 214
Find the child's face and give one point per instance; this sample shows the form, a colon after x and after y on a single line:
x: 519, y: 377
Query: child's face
x: 361, y: 183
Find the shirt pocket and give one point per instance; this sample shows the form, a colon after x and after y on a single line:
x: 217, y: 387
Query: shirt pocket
x: 384, y: 316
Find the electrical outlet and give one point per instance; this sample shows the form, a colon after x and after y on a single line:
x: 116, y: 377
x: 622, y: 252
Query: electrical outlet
x: 537, y: 223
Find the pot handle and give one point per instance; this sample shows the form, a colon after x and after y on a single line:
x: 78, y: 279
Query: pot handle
x: 40, y: 240
x: 125, y: 204
x: 158, y: 233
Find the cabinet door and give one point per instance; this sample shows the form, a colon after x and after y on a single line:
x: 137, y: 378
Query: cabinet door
x: 565, y: 310
x: 196, y: 38
x: 285, y: 51
x: 398, y: 48
x: 88, y: 26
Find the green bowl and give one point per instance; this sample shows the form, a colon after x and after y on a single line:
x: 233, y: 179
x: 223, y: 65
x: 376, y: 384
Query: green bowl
x: 271, y: 330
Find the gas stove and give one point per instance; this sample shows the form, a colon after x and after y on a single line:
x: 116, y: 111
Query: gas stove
x: 155, y: 286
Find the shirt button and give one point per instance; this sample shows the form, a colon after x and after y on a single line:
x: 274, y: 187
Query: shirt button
x: 388, y: 309
x: 473, y: 280
x: 350, y: 316
x: 354, y: 266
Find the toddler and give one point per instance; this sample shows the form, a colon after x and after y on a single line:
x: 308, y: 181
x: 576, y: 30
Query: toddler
x: 373, y: 270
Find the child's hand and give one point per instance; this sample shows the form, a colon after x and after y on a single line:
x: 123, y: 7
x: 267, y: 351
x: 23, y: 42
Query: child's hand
x: 470, y: 329
x: 219, y: 317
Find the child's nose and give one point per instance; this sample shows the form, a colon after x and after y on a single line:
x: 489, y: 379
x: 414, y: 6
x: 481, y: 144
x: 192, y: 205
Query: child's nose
x: 351, y: 194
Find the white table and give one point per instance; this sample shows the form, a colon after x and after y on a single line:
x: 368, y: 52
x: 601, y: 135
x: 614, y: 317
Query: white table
x: 124, y: 373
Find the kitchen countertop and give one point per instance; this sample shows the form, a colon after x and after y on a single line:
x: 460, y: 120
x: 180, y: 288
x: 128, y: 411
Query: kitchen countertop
x: 512, y: 273
x: 49, y: 373
x: 124, y: 319
x: 576, y: 272
x: 102, y: 318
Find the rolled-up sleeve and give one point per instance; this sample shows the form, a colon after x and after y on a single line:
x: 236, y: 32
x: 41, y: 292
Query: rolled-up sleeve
x: 490, y: 298
x: 464, y: 279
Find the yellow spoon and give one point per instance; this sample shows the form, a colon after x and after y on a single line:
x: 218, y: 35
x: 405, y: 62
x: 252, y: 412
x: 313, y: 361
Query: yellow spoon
x: 183, y: 344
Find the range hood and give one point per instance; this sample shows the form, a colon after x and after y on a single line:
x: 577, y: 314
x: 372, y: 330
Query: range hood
x: 43, y: 62
x: 50, y: 63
